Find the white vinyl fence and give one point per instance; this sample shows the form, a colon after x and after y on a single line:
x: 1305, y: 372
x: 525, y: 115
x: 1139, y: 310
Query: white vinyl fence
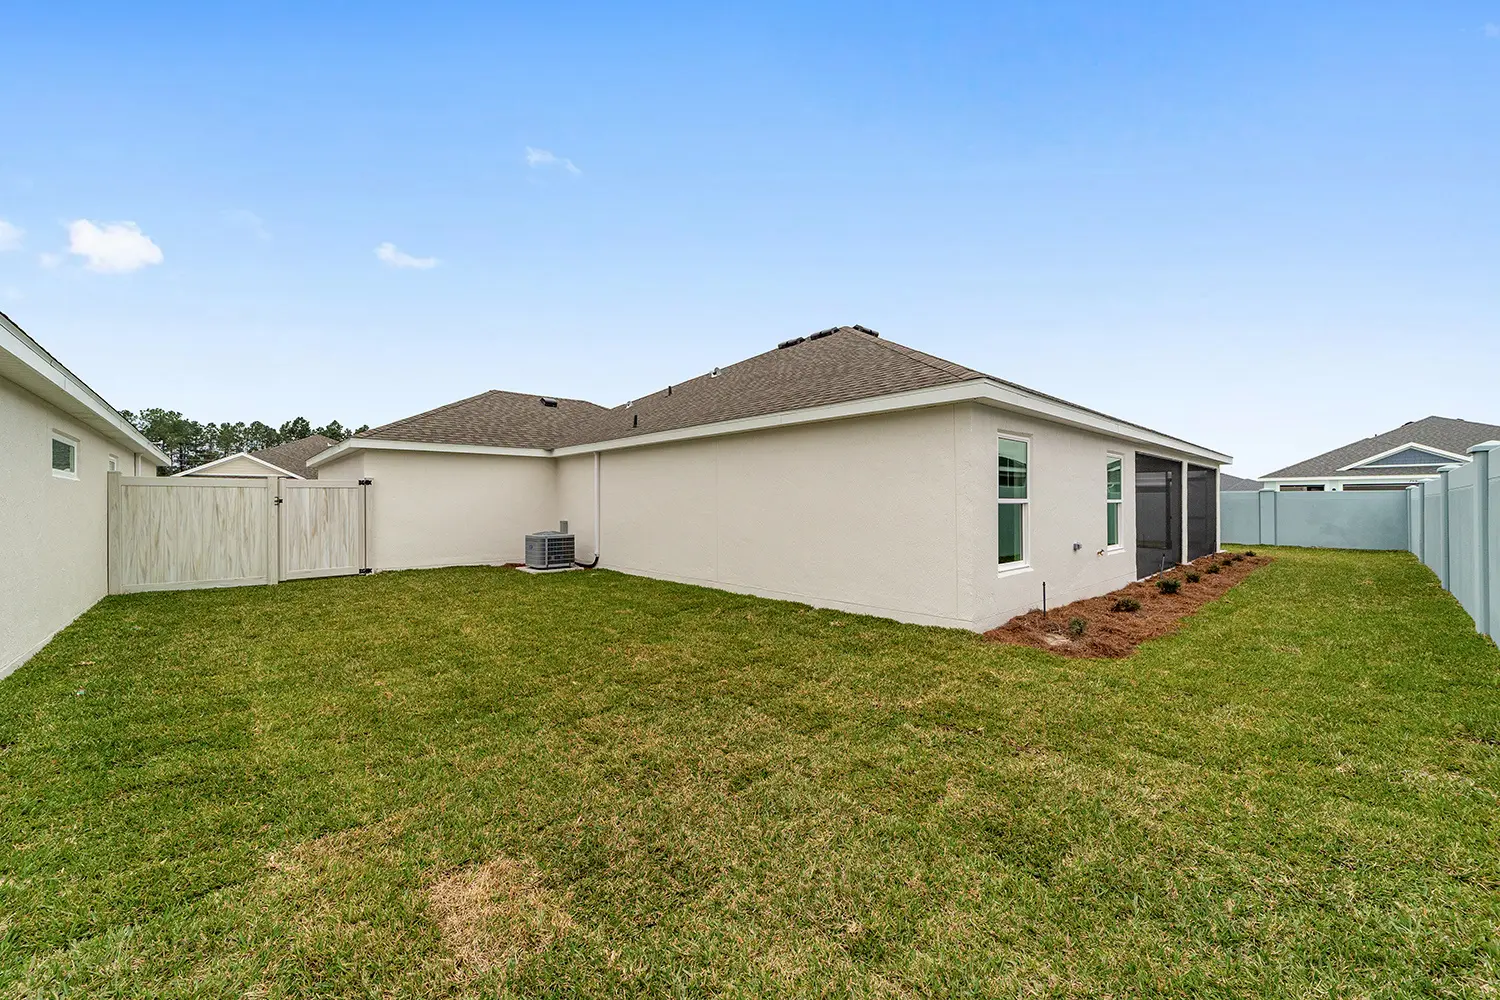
x: 1451, y: 523
x: 190, y: 532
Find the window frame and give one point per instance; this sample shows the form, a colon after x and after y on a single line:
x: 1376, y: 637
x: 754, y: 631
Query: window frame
x: 58, y: 437
x: 1118, y: 545
x: 1024, y: 563
x: 112, y: 464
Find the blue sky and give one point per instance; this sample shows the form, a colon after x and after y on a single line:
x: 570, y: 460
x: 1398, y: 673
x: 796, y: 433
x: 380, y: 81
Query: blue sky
x: 1270, y: 228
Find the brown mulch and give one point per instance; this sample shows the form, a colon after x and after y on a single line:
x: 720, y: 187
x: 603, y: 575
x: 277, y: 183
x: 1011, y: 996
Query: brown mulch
x: 1111, y: 633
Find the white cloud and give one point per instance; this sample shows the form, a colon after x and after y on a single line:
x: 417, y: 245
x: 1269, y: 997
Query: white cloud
x: 388, y: 253
x: 547, y: 158
x: 49, y: 260
x: 246, y: 221
x: 10, y: 236
x: 113, y: 248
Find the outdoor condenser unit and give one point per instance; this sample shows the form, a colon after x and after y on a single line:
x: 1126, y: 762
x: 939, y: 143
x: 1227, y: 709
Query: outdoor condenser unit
x: 550, y: 549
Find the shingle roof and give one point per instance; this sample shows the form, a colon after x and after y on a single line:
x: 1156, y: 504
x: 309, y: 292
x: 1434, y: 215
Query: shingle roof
x: 1445, y: 433
x: 293, y: 455
x: 495, y: 419
x: 838, y: 365
x: 1235, y: 484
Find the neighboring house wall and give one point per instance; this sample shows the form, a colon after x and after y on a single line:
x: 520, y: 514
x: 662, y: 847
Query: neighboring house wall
x: 430, y: 509
x: 52, y: 533
x: 237, y: 466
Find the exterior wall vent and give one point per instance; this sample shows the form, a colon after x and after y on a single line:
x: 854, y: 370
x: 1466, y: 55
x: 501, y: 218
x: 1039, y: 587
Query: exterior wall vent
x: 549, y: 550
x: 549, y: 401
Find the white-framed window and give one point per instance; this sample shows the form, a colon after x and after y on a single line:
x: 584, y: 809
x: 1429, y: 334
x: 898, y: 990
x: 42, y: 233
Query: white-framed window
x: 1013, y: 463
x: 1114, y: 495
x: 64, y: 456
x: 114, y: 463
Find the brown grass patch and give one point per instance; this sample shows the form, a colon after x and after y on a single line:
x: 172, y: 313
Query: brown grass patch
x: 496, y: 913
x: 1114, y: 634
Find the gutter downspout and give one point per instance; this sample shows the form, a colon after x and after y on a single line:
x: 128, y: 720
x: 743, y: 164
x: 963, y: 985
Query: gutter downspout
x: 596, y: 508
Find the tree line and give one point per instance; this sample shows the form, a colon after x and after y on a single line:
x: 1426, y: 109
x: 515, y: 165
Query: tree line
x: 190, y: 443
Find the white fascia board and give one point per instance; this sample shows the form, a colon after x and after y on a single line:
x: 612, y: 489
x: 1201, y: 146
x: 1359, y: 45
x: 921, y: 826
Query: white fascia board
x: 374, y: 444
x: 24, y: 363
x: 1399, y: 448
x: 1271, y: 480
x: 984, y: 391
x: 200, y: 469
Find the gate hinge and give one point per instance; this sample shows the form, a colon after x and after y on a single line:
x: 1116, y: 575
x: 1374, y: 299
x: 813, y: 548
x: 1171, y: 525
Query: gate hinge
x: 364, y: 482
x: 366, y: 571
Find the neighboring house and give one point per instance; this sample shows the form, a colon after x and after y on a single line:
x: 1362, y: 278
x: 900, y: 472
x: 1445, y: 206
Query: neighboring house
x: 1234, y: 484
x: 58, y: 441
x: 289, y: 461
x: 840, y: 469
x: 1414, y: 452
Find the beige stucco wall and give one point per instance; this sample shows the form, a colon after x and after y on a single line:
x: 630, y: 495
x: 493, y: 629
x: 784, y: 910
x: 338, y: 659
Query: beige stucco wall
x: 859, y: 514
x: 52, y: 529
x: 237, y: 466
x: 429, y: 509
x: 575, y: 501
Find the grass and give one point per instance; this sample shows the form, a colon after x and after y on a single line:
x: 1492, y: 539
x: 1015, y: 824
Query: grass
x: 475, y: 782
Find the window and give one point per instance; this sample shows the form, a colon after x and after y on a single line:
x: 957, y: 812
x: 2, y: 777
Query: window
x: 1014, y: 497
x: 1114, y: 487
x: 64, y: 456
x: 114, y: 463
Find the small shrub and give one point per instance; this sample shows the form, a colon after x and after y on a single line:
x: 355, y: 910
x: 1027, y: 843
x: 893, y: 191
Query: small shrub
x: 1236, y: 557
x: 1192, y: 576
x: 1250, y: 553
x: 1168, y: 585
x: 1076, y: 627
x: 1212, y: 568
x: 1127, y: 605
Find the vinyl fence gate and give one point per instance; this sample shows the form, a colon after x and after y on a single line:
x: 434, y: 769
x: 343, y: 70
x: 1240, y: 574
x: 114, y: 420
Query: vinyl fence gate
x: 200, y: 531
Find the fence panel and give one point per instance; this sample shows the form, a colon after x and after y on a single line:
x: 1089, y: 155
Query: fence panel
x: 171, y: 534
x: 1239, y: 510
x: 322, y: 528
x: 182, y: 533
x: 1336, y: 520
x: 1435, y: 527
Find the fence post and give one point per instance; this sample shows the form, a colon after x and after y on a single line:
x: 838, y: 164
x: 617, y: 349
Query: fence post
x: 1267, y: 529
x: 1414, y: 520
x: 112, y: 567
x: 1487, y: 539
x: 273, y: 529
x: 1445, y: 575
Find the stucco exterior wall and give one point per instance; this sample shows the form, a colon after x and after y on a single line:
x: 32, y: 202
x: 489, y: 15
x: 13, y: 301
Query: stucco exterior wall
x: 428, y: 509
x: 575, y: 502
x: 1067, y: 505
x: 857, y: 514
x: 52, y: 529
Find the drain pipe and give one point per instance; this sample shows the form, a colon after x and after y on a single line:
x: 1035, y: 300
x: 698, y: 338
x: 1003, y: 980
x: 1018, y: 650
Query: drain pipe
x: 591, y: 565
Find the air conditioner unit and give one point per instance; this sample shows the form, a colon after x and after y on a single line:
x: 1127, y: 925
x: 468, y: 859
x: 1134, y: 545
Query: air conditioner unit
x: 549, y: 550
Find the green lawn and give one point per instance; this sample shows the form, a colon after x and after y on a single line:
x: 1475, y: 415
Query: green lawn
x: 475, y: 782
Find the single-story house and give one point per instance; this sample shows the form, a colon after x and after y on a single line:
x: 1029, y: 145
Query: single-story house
x: 1412, y: 453
x: 58, y: 441
x: 288, y: 461
x: 839, y: 469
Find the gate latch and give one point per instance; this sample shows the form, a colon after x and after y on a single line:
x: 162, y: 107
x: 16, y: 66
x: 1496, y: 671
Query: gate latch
x: 276, y: 501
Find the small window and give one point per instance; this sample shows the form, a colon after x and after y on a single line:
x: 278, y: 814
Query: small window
x: 1014, y: 499
x: 114, y: 463
x: 64, y: 456
x: 1114, y: 486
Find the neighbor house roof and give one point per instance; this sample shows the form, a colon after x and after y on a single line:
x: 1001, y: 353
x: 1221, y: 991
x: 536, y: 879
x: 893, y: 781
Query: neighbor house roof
x: 1235, y: 484
x: 293, y: 455
x: 29, y: 365
x: 806, y: 375
x: 1442, y: 434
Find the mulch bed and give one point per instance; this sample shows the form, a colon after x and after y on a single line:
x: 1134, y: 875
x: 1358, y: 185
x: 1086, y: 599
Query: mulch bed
x: 1111, y: 633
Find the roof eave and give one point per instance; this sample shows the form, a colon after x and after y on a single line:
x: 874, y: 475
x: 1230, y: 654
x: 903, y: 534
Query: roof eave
x: 36, y: 371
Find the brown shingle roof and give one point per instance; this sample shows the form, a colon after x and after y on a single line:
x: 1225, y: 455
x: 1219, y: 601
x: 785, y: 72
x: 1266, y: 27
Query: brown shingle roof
x: 495, y: 419
x: 293, y: 455
x: 1453, y: 436
x: 840, y: 365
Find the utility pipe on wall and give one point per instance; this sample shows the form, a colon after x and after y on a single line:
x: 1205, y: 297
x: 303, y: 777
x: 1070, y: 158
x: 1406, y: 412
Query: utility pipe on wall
x: 596, y: 507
